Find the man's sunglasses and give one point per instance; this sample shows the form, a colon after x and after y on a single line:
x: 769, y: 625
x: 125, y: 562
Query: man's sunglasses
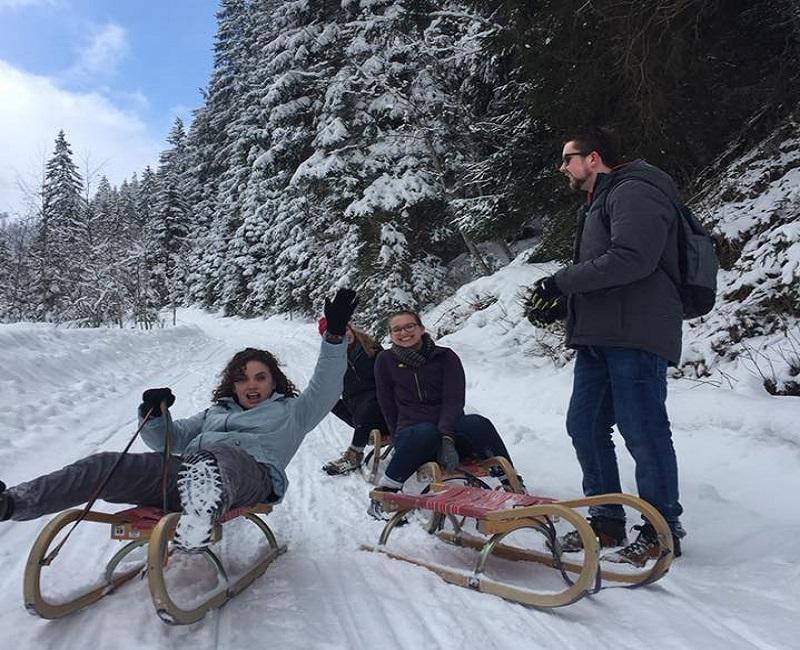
x: 568, y: 156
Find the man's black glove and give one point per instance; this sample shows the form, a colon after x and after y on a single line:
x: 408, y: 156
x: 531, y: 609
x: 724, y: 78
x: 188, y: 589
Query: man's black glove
x: 448, y: 455
x: 550, y: 314
x: 339, y: 311
x: 548, y: 303
x: 547, y: 290
x: 152, y: 398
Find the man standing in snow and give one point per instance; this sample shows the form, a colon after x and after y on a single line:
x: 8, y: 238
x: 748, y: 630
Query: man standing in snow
x: 624, y: 315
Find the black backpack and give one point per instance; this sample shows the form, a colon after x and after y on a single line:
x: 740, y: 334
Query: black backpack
x: 697, y: 258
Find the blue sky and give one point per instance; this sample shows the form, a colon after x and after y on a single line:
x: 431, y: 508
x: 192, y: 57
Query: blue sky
x: 113, y: 74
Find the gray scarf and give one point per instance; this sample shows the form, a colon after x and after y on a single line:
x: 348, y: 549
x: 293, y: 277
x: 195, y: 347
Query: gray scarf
x: 412, y: 357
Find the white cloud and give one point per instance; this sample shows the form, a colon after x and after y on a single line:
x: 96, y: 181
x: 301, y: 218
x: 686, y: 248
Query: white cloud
x: 32, y: 111
x: 105, y: 50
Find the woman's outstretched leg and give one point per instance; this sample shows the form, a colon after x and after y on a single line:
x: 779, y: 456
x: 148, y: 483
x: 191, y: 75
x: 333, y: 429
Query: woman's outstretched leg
x: 137, y: 480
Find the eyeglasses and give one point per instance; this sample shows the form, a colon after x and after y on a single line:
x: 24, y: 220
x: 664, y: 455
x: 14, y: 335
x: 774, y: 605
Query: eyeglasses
x: 568, y: 157
x: 408, y: 327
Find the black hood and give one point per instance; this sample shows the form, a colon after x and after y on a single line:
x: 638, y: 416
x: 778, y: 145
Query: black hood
x: 638, y: 169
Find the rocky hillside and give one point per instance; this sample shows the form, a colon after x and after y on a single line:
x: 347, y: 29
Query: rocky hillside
x: 754, y: 205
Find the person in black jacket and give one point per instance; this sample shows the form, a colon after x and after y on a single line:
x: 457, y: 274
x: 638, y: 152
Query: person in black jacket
x: 421, y: 389
x: 624, y: 313
x: 358, y: 406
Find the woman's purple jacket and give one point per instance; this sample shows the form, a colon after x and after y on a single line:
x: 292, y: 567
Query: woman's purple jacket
x: 432, y: 392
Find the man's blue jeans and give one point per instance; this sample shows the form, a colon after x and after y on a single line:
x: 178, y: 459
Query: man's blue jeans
x: 418, y: 444
x: 626, y: 387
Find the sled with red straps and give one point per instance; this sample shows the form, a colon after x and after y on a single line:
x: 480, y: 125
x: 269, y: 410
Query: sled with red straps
x: 139, y: 527
x: 496, y: 515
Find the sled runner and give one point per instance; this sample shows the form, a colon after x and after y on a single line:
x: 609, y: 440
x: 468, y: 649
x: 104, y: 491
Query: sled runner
x: 498, y: 514
x: 473, y: 472
x: 139, y: 527
x: 376, y: 457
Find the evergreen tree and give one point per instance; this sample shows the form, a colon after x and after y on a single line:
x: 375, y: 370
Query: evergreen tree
x: 270, y: 137
x: 384, y: 161
x: 102, y: 292
x: 217, y: 173
x: 56, y: 260
x: 169, y: 225
x: 145, y: 198
x: 16, y: 299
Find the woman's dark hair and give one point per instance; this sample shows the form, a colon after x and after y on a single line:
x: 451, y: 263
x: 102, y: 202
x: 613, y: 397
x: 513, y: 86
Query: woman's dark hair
x: 235, y: 369
x: 365, y: 341
x: 404, y: 312
x: 600, y: 139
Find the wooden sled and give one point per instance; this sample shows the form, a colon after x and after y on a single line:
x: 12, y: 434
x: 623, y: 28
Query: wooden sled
x: 497, y: 514
x: 382, y: 447
x: 141, y: 526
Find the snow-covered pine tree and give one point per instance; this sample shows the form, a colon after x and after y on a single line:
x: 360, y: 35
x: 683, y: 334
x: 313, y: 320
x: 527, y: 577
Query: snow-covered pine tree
x: 145, y: 199
x: 102, y: 291
x: 325, y: 122
x: 216, y: 168
x: 275, y: 257
x: 55, y: 258
x: 16, y: 300
x: 381, y: 160
x: 169, y: 226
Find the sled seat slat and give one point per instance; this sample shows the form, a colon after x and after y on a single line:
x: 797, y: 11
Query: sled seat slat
x: 460, y: 500
x: 139, y: 522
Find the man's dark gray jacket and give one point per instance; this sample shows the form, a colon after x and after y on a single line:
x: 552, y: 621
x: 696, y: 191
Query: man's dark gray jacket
x: 622, y: 286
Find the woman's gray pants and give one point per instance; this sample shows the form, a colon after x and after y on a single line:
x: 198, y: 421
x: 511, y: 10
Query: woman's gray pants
x: 137, y: 481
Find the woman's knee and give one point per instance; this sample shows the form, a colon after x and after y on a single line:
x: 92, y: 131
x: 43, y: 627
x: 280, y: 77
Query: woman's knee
x: 100, y: 459
x: 475, y: 422
x: 418, y: 432
x: 419, y: 442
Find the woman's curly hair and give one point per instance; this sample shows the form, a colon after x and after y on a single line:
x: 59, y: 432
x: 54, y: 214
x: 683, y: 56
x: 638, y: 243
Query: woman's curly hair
x: 235, y: 370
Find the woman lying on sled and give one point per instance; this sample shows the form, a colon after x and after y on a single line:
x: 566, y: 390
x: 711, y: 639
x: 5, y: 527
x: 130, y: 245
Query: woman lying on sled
x: 232, y: 454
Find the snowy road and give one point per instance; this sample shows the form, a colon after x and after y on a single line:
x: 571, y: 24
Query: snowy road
x: 67, y: 393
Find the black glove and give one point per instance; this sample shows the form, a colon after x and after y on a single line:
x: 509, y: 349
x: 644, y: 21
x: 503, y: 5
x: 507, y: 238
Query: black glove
x: 548, y: 303
x: 448, y: 455
x: 339, y: 311
x: 550, y: 314
x: 152, y: 398
x: 547, y: 290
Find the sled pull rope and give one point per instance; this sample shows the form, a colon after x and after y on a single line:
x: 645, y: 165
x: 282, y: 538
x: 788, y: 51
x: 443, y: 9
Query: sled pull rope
x: 168, y: 427
x: 52, y: 556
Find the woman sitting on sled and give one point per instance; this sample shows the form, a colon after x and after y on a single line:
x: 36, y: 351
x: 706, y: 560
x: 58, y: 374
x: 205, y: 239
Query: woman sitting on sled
x: 358, y: 406
x: 232, y: 454
x: 421, y: 390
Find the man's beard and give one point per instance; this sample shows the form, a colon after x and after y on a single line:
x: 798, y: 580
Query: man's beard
x: 576, y: 184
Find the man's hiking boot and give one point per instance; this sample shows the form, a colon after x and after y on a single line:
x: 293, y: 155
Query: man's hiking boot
x: 610, y: 532
x: 645, y: 547
x: 376, y: 510
x: 348, y: 462
x: 6, y: 503
x: 202, y: 499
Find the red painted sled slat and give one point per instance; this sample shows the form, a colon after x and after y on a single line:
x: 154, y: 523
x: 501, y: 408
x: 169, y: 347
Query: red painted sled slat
x: 461, y: 500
